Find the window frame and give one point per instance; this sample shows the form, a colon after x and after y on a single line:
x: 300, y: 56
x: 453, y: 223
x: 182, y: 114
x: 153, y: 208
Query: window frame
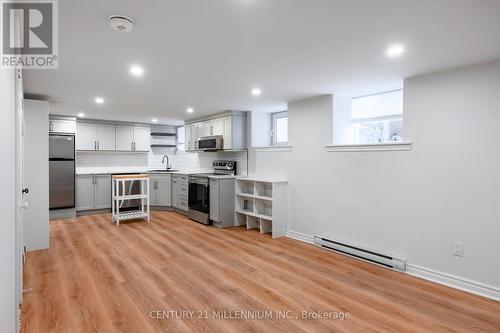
x: 274, y: 118
x: 386, y: 119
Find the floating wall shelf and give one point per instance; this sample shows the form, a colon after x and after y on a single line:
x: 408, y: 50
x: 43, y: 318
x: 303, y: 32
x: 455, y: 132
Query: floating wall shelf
x: 162, y: 134
x: 163, y: 146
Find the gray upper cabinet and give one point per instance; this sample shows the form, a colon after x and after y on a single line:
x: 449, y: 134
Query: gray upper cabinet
x: 231, y: 125
x: 124, y: 138
x: 142, y: 138
x: 105, y: 137
x: 85, y: 136
x: 133, y: 138
x: 62, y: 126
x: 91, y: 136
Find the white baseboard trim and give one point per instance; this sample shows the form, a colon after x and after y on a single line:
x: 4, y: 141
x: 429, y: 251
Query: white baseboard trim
x: 456, y: 282
x: 448, y: 280
x: 300, y: 236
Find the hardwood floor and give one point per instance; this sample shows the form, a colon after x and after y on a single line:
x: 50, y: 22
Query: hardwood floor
x: 97, y: 277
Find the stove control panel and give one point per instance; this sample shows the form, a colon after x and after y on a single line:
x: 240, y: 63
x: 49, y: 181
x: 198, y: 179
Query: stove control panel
x: 224, y: 165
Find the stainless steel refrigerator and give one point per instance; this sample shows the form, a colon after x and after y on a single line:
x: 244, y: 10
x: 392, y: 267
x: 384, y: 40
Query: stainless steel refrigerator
x: 61, y: 171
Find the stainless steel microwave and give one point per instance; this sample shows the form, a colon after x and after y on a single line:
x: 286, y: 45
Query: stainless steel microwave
x: 215, y: 142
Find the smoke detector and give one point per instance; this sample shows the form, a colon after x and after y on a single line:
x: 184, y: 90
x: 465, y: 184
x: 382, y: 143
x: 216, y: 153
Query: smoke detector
x: 121, y: 23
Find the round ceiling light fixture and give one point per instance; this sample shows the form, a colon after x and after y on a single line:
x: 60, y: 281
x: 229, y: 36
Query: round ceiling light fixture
x: 121, y: 23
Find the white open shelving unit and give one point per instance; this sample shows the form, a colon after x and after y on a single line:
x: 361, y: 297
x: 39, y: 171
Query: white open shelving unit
x: 261, y: 204
x: 120, y: 182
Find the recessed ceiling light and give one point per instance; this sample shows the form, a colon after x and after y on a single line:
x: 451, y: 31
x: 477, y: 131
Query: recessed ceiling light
x: 154, y: 120
x: 395, y: 51
x: 99, y: 100
x: 121, y: 23
x: 256, y: 92
x: 190, y: 110
x: 81, y: 115
x: 136, y: 70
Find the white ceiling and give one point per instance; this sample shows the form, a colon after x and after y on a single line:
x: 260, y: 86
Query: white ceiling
x: 209, y: 54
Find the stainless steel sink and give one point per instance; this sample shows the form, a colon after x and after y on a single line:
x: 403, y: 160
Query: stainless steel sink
x: 163, y: 171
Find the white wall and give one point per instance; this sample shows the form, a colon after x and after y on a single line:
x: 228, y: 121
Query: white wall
x: 8, y: 313
x: 36, y: 174
x: 413, y: 204
x: 260, y: 128
x: 342, y: 129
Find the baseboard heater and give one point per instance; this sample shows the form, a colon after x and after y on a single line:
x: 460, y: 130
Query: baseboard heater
x: 360, y: 253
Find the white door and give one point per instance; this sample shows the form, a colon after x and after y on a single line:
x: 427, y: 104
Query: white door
x: 164, y: 191
x: 102, y: 191
x: 214, y: 200
x: 124, y: 137
x: 142, y: 138
x: 86, y: 136
x: 85, y: 192
x: 19, y: 184
x: 62, y: 126
x: 36, y: 174
x: 105, y: 137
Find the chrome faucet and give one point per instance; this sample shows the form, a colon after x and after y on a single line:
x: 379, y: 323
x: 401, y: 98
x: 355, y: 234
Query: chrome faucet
x: 169, y: 166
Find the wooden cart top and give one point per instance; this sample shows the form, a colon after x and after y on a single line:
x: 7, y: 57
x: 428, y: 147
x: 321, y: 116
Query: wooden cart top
x: 140, y: 176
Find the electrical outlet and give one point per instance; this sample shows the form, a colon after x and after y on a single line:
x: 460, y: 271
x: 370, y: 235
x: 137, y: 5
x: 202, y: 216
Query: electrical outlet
x: 458, y: 249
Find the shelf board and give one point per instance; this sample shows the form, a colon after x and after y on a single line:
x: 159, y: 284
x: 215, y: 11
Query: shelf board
x: 131, y: 215
x: 260, y: 216
x: 163, y: 134
x: 131, y: 197
x: 254, y: 196
x: 163, y: 146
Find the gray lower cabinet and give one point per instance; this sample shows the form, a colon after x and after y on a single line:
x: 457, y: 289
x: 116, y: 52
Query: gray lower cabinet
x: 214, y: 200
x: 222, y: 202
x: 93, y: 192
x: 160, y: 190
x: 180, y: 192
x: 102, y: 191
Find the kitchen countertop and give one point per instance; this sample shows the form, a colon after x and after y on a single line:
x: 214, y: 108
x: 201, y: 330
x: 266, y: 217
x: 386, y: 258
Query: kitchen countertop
x: 115, y: 170
x: 222, y: 176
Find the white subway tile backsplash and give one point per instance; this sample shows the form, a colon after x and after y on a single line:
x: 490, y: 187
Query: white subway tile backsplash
x: 181, y: 160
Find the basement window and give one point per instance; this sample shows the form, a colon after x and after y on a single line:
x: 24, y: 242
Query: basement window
x: 377, y: 118
x: 280, y: 128
x: 181, y: 137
